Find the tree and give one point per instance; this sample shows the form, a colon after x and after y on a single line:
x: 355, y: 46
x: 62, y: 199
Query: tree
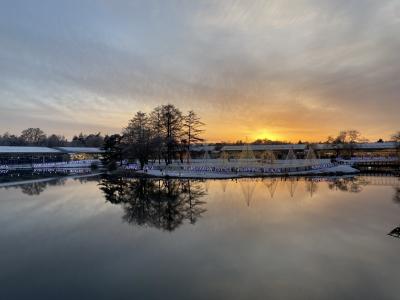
x: 33, y: 136
x: 396, y: 139
x: 353, y: 136
x: 11, y: 140
x: 112, y: 151
x: 78, y: 141
x: 346, y: 140
x: 192, y: 129
x: 93, y: 140
x: 155, y: 120
x: 330, y: 140
x: 56, y: 141
x: 137, y: 138
x: 171, y: 129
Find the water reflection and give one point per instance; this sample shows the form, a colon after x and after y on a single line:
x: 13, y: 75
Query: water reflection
x: 36, y: 188
x: 160, y: 203
x: 33, y: 184
x: 395, y: 232
x: 396, y: 197
x: 349, y: 184
x: 245, y: 245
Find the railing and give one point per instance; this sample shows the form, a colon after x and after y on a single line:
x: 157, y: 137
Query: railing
x: 354, y: 160
x: 268, y: 169
x: 68, y: 164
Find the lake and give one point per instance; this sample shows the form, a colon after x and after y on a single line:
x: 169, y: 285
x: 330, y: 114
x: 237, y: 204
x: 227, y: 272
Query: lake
x: 97, y: 237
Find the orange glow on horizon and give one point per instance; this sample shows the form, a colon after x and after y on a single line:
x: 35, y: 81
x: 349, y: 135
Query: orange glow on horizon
x: 264, y: 134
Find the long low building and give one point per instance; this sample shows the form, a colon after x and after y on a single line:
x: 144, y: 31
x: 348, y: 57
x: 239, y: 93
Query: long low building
x: 18, y: 155
x: 322, y: 150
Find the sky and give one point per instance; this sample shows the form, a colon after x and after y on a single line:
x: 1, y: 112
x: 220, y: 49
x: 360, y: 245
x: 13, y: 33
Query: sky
x: 285, y: 70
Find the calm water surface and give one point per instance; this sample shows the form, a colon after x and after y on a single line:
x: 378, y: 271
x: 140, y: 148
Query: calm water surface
x: 104, y: 238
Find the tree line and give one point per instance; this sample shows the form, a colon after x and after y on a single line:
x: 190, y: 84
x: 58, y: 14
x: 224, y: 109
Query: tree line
x: 163, y: 134
x: 37, y: 137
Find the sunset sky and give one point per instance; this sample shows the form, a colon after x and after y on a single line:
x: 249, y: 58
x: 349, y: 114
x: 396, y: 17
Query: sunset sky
x: 284, y: 70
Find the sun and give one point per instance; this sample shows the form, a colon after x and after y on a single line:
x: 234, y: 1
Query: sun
x: 264, y: 134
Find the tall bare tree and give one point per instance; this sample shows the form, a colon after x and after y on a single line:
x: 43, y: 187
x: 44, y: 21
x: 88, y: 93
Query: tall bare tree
x: 192, y: 129
x: 171, y: 129
x: 155, y: 120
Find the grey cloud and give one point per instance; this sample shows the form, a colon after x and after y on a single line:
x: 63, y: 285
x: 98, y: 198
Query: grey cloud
x: 308, y: 57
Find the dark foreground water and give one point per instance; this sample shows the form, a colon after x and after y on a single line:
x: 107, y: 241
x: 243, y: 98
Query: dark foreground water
x: 94, y: 238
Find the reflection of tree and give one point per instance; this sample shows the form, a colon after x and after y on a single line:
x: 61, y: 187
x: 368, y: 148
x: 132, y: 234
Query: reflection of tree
x: 291, y: 183
x: 395, y: 232
x: 271, y: 184
x: 34, y: 188
x: 248, y: 186
x: 396, y: 196
x: 349, y: 184
x: 311, y: 187
x: 193, y: 192
x: 159, y: 203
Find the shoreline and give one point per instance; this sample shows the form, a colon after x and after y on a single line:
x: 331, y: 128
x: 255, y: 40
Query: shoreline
x: 340, y: 170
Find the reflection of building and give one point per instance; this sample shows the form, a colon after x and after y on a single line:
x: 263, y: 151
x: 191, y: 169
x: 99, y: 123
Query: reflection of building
x: 21, y: 155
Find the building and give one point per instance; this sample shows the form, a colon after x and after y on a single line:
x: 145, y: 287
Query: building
x: 81, y: 153
x: 281, y: 151
x: 21, y: 155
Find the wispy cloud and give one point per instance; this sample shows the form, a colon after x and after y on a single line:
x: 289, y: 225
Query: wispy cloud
x: 291, y: 67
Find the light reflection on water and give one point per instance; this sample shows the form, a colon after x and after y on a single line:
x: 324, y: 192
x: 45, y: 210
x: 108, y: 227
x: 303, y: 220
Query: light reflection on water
x: 272, y: 238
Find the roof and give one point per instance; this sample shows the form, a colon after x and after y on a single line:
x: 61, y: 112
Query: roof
x: 286, y: 147
x: 200, y: 148
x: 80, y: 149
x: 265, y: 147
x: 364, y: 146
x: 24, y: 149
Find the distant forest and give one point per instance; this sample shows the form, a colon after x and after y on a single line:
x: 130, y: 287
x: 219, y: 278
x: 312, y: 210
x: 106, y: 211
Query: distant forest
x: 37, y: 137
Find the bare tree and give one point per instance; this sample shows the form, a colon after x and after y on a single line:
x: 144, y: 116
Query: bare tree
x: 396, y: 139
x: 155, y: 120
x: 193, y: 128
x: 347, y: 139
x: 33, y: 136
x: 171, y: 129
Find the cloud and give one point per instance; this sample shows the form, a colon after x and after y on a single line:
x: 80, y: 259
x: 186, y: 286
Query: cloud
x: 279, y: 65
